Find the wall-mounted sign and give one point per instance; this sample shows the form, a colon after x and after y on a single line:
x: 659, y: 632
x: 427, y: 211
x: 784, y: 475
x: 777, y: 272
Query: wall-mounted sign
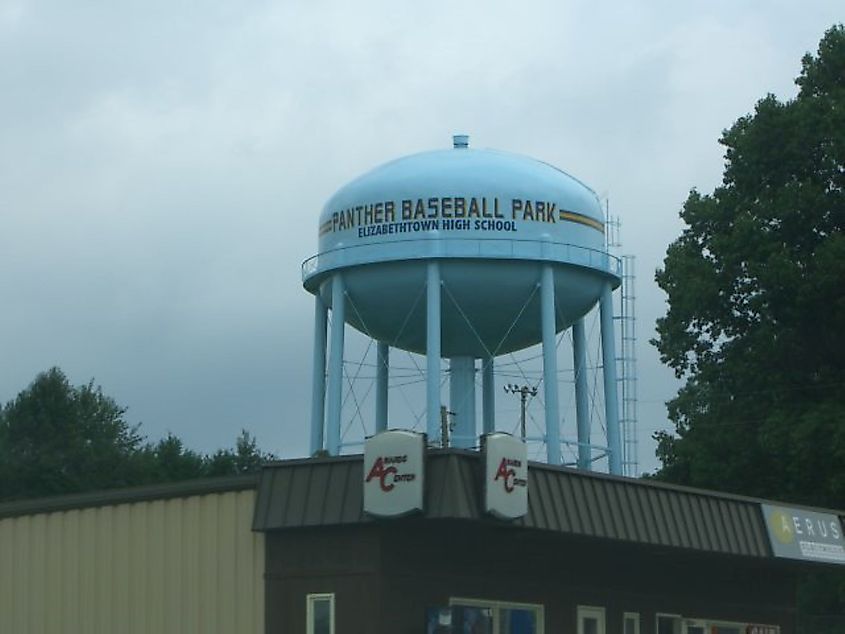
x: 806, y: 535
x: 393, y: 473
x: 505, y: 476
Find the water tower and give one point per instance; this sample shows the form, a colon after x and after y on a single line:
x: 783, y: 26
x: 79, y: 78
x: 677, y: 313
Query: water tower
x: 467, y: 255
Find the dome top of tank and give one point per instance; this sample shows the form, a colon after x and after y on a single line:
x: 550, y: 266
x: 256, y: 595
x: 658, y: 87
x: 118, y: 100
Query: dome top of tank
x: 461, y: 203
x: 463, y: 167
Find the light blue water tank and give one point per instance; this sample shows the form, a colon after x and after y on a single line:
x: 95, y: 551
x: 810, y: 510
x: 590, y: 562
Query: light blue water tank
x: 491, y: 219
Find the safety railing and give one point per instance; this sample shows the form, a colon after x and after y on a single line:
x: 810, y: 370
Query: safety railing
x: 416, y: 249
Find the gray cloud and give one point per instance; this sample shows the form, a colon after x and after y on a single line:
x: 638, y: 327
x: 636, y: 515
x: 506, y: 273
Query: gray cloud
x: 162, y: 168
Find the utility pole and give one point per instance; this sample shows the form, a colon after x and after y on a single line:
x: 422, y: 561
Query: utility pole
x: 445, y: 426
x: 523, y: 391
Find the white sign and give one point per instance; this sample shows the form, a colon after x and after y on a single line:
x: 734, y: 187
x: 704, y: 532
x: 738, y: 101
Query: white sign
x: 505, y: 476
x: 393, y: 473
x: 808, y: 535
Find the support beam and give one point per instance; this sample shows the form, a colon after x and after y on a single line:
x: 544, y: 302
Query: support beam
x: 548, y: 325
x: 336, y: 365
x: 382, y: 374
x: 582, y: 397
x: 318, y: 376
x: 488, y: 397
x: 611, y: 403
x: 432, y: 351
x: 462, y: 401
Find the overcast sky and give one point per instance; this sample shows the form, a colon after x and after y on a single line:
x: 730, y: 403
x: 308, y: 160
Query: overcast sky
x: 162, y: 167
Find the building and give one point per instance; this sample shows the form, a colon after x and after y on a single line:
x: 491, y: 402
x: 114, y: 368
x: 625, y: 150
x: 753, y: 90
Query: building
x: 295, y: 551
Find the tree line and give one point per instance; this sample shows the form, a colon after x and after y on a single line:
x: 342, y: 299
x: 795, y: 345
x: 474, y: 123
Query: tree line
x: 56, y: 438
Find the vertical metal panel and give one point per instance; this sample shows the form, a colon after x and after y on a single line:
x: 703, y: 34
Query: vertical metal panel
x: 156, y: 529
x: 20, y: 607
x: 705, y: 523
x: 182, y: 565
x: 638, y: 528
x: 591, y: 511
x: 7, y: 532
x: 280, y: 485
x: 570, y: 503
x: 597, y: 507
x: 557, y: 501
x: 724, y: 511
x: 622, y: 512
x: 69, y: 590
x: 683, y: 521
x: 297, y: 494
x: 39, y: 569
x: 352, y: 504
x: 314, y: 504
x: 54, y: 584
x: 87, y: 568
x: 334, y: 497
x: 649, y: 516
x: 740, y: 518
x: 652, y: 502
x: 540, y: 510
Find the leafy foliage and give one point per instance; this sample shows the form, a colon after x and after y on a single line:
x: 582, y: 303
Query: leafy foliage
x: 756, y: 305
x: 756, y: 309
x: 56, y: 438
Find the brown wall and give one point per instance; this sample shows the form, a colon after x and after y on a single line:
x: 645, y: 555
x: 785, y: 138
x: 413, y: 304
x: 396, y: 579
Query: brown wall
x: 385, y: 575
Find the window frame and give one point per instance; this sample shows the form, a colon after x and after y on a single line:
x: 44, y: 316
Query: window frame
x: 631, y: 615
x: 679, y: 619
x: 591, y: 610
x: 498, y: 606
x: 695, y: 623
x: 310, y: 600
x: 741, y: 627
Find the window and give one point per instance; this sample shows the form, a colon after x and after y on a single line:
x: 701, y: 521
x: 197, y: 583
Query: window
x: 668, y: 624
x: 631, y: 623
x: 695, y: 627
x: 498, y: 617
x: 319, y: 614
x: 590, y: 620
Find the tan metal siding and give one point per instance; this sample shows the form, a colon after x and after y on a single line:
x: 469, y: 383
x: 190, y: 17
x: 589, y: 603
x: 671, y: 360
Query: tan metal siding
x: 179, y: 565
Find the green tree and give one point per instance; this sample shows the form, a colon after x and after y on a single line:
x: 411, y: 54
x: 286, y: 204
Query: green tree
x: 56, y: 438
x: 246, y: 457
x: 756, y: 304
x: 169, y: 460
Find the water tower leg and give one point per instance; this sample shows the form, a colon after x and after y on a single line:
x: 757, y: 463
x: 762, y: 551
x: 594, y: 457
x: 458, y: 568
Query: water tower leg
x: 336, y: 365
x: 432, y: 351
x: 462, y: 401
x: 547, y: 307
x: 582, y: 397
x: 318, y: 377
x: 488, y: 397
x: 382, y: 371
x: 611, y: 406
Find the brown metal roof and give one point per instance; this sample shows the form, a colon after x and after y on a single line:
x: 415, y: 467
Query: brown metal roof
x: 329, y: 491
x: 643, y: 512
